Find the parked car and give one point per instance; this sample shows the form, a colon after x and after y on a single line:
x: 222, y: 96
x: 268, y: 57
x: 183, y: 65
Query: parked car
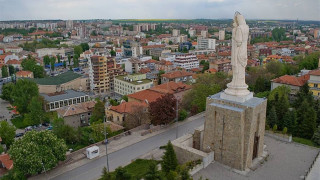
x: 46, y: 124
x: 49, y: 128
x: 19, y: 134
x: 29, y: 128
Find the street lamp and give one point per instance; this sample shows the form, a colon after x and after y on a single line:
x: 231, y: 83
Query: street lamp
x: 177, y: 118
x: 106, y: 142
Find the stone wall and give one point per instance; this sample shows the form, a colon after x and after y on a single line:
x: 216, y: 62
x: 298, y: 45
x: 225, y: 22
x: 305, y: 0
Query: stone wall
x: 230, y: 129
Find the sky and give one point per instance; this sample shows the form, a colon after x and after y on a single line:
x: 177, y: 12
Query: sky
x: 158, y: 9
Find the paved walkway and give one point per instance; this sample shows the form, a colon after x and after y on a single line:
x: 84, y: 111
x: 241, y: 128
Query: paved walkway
x: 113, y: 146
x: 286, y: 161
x: 315, y: 171
x: 4, y: 111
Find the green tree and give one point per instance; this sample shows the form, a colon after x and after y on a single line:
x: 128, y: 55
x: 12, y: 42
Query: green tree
x: 46, y: 60
x: 170, y: 42
x: 272, y: 118
x: 59, y: 58
x: 113, y: 53
x: 52, y: 62
x: 30, y: 64
x: 308, y: 120
x: 98, y: 112
x: 153, y: 173
x: 77, y: 50
x: 290, y: 121
x: 303, y: 94
x: 167, y: 104
x: 281, y: 106
x: 11, y: 70
x: 184, y: 173
x: 7, y: 90
x: 169, y: 160
x: 35, y: 150
x: 63, y: 131
x: 316, y: 136
x: 22, y: 94
x: 7, y: 133
x: 64, y: 64
x: 85, y: 46
x: 278, y: 34
x: 183, y: 114
x: 122, y: 174
x: 69, y: 59
x: 4, y: 71
x: 125, y: 97
x: 106, y: 175
x: 36, y: 113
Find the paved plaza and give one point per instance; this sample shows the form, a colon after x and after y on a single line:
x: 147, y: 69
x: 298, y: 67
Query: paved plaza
x: 286, y: 161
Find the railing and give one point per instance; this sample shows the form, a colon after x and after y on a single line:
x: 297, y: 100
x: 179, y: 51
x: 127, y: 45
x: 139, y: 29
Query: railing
x: 313, y: 162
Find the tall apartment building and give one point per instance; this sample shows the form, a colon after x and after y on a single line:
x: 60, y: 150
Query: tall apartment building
x: 204, y: 33
x: 192, y: 32
x: 100, y: 79
x: 69, y: 24
x: 206, y: 43
x: 222, y: 35
x: 186, y: 61
x: 175, y: 32
x: 137, y: 28
x: 113, y: 70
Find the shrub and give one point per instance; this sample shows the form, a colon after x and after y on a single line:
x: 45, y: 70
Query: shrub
x: 285, y: 130
x: 275, y: 128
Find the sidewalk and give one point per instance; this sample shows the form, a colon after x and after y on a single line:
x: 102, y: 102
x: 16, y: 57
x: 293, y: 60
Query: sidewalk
x: 113, y: 146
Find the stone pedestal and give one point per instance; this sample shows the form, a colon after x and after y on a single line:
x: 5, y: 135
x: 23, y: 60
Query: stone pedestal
x: 234, y: 129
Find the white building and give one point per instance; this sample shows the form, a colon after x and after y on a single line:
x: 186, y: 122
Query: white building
x: 222, y: 35
x: 69, y: 24
x: 206, y: 43
x: 175, y: 32
x: 134, y: 65
x: 192, y: 32
x: 204, y: 34
x: 128, y: 84
x: 186, y: 61
x: 13, y: 49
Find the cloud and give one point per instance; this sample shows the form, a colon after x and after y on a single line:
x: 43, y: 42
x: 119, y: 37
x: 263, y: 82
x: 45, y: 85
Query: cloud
x: 142, y: 9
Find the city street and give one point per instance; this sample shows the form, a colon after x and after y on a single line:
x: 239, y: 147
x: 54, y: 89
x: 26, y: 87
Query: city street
x: 124, y: 156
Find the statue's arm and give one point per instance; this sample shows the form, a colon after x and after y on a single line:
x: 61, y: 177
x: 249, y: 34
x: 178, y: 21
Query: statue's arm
x: 238, y: 37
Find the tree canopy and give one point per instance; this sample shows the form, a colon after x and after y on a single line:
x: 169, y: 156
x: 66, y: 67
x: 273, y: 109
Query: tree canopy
x: 7, y: 133
x: 163, y: 110
x: 35, y: 150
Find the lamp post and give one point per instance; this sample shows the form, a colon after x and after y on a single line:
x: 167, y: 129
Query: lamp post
x: 177, y: 118
x: 106, y: 142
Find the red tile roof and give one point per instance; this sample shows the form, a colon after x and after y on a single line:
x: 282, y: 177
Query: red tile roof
x: 13, y: 61
x: 171, y: 87
x: 6, y: 161
x: 315, y: 72
x: 127, y: 107
x: 147, y: 94
x: 23, y: 73
x: 292, y: 80
x: 76, y: 108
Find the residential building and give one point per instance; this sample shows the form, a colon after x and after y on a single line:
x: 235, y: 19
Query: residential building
x: 5, y: 162
x: 118, y: 114
x: 69, y: 24
x: 13, y: 49
x: 221, y: 35
x: 100, y: 74
x: 177, y: 76
x: 128, y: 84
x: 221, y: 65
x: 175, y: 32
x: 164, y: 65
x: 186, y: 61
x: 134, y: 65
x: 24, y: 74
x: 54, y: 101
x: 77, y: 115
x: 314, y: 82
x: 204, y: 33
x: 113, y: 70
x: 293, y: 82
x: 192, y: 32
x: 206, y: 43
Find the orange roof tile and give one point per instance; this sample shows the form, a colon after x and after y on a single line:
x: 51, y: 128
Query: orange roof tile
x: 292, y: 80
x: 147, y: 94
x: 6, y: 161
x: 315, y: 72
x: 23, y: 73
x: 127, y: 107
x: 13, y: 61
x: 171, y: 87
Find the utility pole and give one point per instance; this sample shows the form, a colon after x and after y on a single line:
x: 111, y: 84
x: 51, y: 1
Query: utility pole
x: 45, y: 172
x: 106, y: 141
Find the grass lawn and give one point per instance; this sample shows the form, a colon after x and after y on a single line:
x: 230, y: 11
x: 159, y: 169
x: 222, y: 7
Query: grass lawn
x: 138, y: 168
x: 305, y: 141
x: 18, y: 122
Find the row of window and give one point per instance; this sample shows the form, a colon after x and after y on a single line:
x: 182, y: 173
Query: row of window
x: 67, y: 102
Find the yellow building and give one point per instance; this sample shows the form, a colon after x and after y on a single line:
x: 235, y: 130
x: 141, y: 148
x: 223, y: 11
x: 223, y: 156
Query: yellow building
x: 314, y: 82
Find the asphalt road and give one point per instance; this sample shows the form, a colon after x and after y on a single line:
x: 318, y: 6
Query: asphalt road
x: 92, y: 170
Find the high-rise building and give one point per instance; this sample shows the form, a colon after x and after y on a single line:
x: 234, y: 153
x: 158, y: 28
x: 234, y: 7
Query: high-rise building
x: 175, y: 32
x: 221, y: 35
x: 316, y: 33
x: 186, y: 61
x: 100, y: 75
x: 192, y: 32
x: 204, y: 33
x: 69, y: 24
x: 206, y: 43
x: 137, y: 28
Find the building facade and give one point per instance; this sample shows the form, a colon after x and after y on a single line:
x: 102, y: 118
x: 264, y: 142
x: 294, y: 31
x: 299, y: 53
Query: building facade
x: 128, y: 84
x: 186, y: 61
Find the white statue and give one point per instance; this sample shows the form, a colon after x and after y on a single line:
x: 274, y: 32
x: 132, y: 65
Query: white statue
x: 238, y: 87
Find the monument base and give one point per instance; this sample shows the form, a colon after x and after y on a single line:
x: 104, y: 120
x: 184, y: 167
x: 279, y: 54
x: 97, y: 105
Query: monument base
x: 240, y: 99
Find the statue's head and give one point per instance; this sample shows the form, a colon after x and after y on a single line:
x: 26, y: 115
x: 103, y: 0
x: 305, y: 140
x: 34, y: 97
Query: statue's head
x: 240, y: 19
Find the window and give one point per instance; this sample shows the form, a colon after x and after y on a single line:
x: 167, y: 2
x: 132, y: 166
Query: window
x: 78, y: 100
x: 74, y: 101
x: 82, y: 99
x: 70, y: 101
x: 51, y: 106
x: 315, y: 85
x: 65, y: 102
x: 56, y: 105
x: 61, y: 103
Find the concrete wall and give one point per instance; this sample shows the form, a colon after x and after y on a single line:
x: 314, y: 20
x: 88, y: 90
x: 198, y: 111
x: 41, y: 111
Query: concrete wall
x: 79, y: 84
